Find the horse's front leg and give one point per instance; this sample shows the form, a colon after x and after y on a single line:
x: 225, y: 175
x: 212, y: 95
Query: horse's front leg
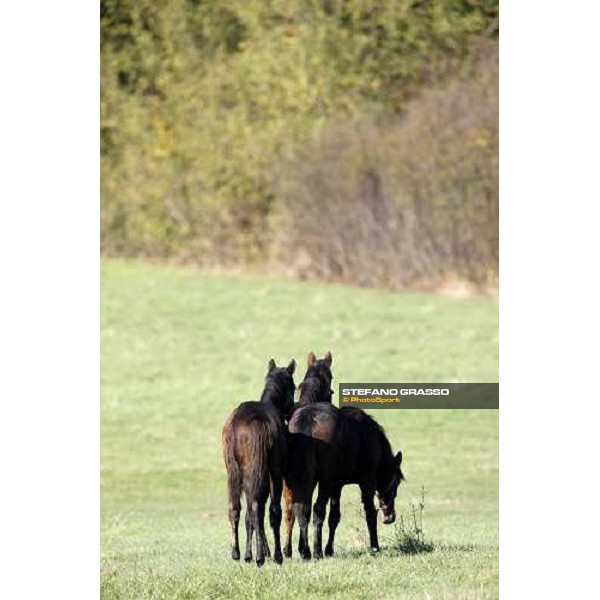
x: 319, y: 510
x: 266, y: 548
x: 334, y: 517
x: 367, y: 493
x: 289, y: 519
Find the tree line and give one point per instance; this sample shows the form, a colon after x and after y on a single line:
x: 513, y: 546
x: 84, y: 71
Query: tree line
x: 334, y: 139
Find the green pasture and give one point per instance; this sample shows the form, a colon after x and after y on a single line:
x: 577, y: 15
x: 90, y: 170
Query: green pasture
x: 182, y: 348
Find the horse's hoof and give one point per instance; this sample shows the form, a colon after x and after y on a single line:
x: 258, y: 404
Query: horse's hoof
x: 328, y: 551
x: 248, y: 558
x: 260, y: 561
x: 375, y: 550
x: 278, y: 558
x: 317, y: 555
x: 287, y: 552
x: 306, y: 555
x: 235, y: 554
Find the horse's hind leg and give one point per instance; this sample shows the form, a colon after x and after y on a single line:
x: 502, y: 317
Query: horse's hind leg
x: 301, y: 499
x: 302, y: 513
x: 265, y: 542
x: 234, y: 488
x: 275, y: 515
x: 249, y: 532
x: 334, y: 517
x: 257, y: 518
x: 319, y: 510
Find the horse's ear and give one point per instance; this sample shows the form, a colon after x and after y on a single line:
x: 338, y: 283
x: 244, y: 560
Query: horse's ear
x: 311, y: 359
x: 398, y: 458
x: 272, y: 365
x: 291, y: 367
x: 328, y: 359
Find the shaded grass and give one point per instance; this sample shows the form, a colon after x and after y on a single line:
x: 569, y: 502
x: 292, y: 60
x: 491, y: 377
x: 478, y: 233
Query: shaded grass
x: 180, y: 349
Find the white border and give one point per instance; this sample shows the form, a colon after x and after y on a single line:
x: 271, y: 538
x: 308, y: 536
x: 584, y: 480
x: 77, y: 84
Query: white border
x: 49, y: 331
x: 549, y: 106
x: 49, y: 334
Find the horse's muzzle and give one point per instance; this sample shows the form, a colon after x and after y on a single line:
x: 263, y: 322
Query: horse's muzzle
x: 389, y: 518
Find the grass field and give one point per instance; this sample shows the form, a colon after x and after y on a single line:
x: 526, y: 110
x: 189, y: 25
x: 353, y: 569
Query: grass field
x: 180, y: 349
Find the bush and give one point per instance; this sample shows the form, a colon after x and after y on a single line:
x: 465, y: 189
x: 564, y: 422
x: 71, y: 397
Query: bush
x: 412, y: 200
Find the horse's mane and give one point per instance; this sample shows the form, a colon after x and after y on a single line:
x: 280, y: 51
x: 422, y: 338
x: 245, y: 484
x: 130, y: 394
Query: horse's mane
x: 311, y: 389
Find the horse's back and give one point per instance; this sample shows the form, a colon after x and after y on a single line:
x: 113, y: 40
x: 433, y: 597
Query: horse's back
x: 254, y: 411
x: 318, y: 421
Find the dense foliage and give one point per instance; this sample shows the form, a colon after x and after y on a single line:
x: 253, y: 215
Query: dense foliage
x: 225, y: 125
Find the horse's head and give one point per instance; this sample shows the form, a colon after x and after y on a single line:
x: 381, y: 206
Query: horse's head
x: 388, y: 488
x: 316, y: 386
x: 280, y: 386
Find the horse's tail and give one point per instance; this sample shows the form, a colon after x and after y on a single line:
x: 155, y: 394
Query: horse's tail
x: 254, y: 446
x: 228, y: 446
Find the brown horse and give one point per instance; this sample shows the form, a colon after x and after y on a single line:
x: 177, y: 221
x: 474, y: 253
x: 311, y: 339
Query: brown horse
x: 335, y: 447
x: 315, y: 387
x: 255, y: 454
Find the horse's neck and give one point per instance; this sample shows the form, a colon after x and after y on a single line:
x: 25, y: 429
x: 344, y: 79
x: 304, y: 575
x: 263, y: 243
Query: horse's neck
x: 271, y: 396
